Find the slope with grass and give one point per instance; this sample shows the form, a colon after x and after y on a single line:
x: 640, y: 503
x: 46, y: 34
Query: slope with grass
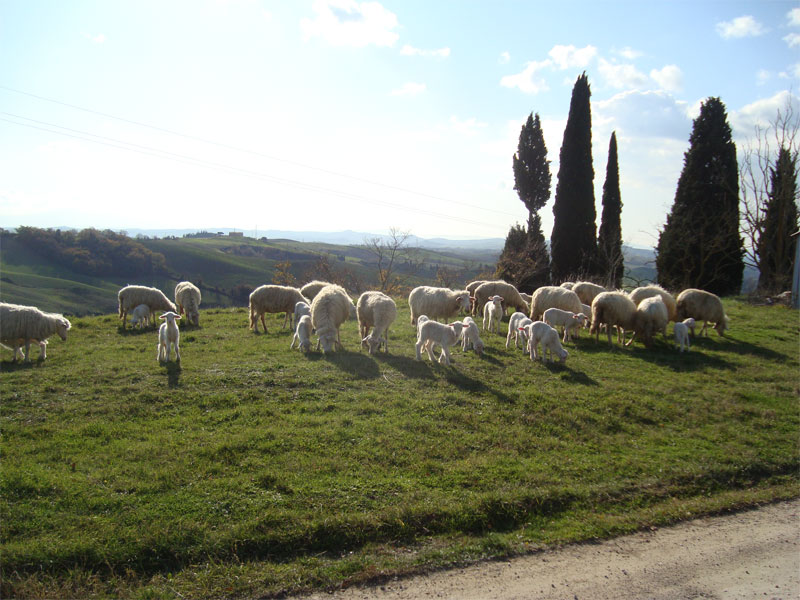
x: 252, y: 469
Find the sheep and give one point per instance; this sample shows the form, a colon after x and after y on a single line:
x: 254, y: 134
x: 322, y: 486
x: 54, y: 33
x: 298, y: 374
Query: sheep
x: 648, y: 291
x: 551, y: 296
x: 302, y: 333
x: 169, y: 336
x: 471, y: 287
x: 132, y: 296
x: 702, y: 306
x: 301, y: 308
x: 16, y: 348
x: 329, y: 309
x: 433, y: 332
x: 22, y: 325
x: 587, y: 290
x: 492, y: 313
x: 436, y: 302
x: 690, y: 323
x: 612, y: 308
x: 651, y: 317
x: 187, y: 299
x: 539, y: 332
x: 681, y: 332
x: 470, y: 336
x: 516, y: 327
x: 375, y: 309
x: 567, y: 285
x: 527, y: 299
x: 140, y: 316
x: 312, y: 288
x: 509, y: 294
x: 555, y: 317
x: 273, y: 299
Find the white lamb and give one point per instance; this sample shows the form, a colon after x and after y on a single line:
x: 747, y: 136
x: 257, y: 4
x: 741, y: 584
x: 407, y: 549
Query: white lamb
x: 436, y: 302
x: 493, y: 313
x: 433, y: 332
x: 375, y: 309
x: 273, y: 299
x: 540, y: 332
x: 24, y: 325
x: 302, y: 333
x: 329, y: 309
x: 516, y: 327
x: 550, y: 296
x: 555, y: 317
x: 187, y: 298
x: 470, y: 337
x: 132, y: 296
x: 681, y: 332
x: 169, y: 336
x: 301, y: 308
x: 140, y: 316
x: 702, y: 306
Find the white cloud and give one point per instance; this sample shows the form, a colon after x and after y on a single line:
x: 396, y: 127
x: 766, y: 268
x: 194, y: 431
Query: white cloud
x: 410, y: 89
x: 411, y: 51
x: 468, y: 127
x: 527, y: 80
x: 763, y: 76
x: 760, y: 112
x: 793, y: 39
x: 565, y: 57
x: 794, y: 17
x: 669, y: 78
x: 350, y: 23
x: 629, y: 53
x: 95, y: 39
x: 644, y: 114
x: 740, y: 27
x: 621, y: 76
x: 505, y: 58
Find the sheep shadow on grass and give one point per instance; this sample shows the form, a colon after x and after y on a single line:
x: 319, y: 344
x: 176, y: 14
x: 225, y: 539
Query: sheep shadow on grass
x: 135, y: 331
x: 356, y: 364
x: 472, y: 385
x: 173, y: 373
x: 731, y: 344
x: 663, y: 354
x: 9, y: 366
x: 409, y: 367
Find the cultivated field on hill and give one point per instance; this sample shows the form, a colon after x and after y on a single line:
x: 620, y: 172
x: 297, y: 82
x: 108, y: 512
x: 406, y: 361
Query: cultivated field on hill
x: 252, y: 469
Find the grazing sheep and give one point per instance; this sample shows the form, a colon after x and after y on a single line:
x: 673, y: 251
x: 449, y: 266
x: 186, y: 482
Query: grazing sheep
x: 587, y: 291
x: 140, y: 316
x: 471, y: 287
x: 651, y: 317
x: 433, y: 332
x: 300, y: 309
x: 610, y: 309
x: 375, y: 309
x: 470, y: 336
x: 551, y: 296
x: 329, y: 309
x: 493, y: 313
x: 649, y: 291
x: 567, y: 285
x: 436, y: 302
x: 507, y: 292
x: 586, y: 309
x: 132, y: 296
x: 302, y: 333
x: 168, y: 337
x: 527, y: 299
x: 273, y: 299
x: 23, y: 325
x: 555, y: 317
x: 540, y: 332
x: 312, y: 288
x: 702, y: 306
x: 516, y: 327
x: 16, y: 348
x: 681, y: 332
x: 187, y: 298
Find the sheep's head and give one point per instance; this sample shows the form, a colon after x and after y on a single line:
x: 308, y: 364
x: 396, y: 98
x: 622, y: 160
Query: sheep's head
x: 194, y: 316
x: 562, y: 356
x: 327, y: 341
x: 62, y: 327
x: 458, y: 326
x: 463, y: 302
x: 479, y: 347
x: 170, y: 316
x: 723, y: 326
x: 373, y: 343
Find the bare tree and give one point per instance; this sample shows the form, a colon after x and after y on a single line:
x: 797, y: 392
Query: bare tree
x: 390, y: 254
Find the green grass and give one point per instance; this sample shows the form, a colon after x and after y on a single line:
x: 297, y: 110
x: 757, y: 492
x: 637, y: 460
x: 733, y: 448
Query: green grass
x: 252, y: 470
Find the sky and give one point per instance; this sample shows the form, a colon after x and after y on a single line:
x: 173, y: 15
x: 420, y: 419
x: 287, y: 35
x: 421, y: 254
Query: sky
x: 329, y: 115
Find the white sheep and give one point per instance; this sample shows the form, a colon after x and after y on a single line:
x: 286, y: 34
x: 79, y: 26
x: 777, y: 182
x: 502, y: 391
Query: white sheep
x: 302, y: 333
x: 567, y: 285
x: 587, y: 291
x: 436, y: 302
x: 493, y: 313
x: 375, y: 309
x: 507, y: 292
x: 140, y: 316
x: 471, y: 287
x: 527, y: 299
x: 652, y: 316
x: 329, y: 309
x: 702, y: 306
x: 169, y: 337
x: 539, y: 332
x: 516, y: 327
x: 187, y: 299
x: 312, y: 288
x: 470, y: 336
x: 301, y: 308
x: 649, y: 291
x: 555, y: 317
x: 16, y: 348
x: 681, y: 332
x: 612, y: 309
x: 273, y: 299
x: 433, y: 332
x: 132, y: 296
x: 23, y: 325
x: 551, y: 296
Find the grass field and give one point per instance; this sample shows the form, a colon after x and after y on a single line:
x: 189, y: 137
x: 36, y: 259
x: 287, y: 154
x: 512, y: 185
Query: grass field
x: 252, y: 470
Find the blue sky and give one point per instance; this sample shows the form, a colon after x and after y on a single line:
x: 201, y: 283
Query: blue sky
x: 339, y: 114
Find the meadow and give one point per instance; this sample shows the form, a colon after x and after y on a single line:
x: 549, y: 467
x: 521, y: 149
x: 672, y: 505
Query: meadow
x: 253, y: 470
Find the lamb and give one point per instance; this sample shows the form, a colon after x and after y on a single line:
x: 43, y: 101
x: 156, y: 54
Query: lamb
x: 610, y: 309
x: 300, y: 309
x: 168, y: 337
x: 702, y: 306
x: 187, y: 298
x: 651, y: 317
x: 312, y: 288
x: 140, y: 316
x: 436, y: 302
x: 22, y: 325
x: 302, y: 333
x: 555, y: 317
x: 587, y: 291
x: 273, y: 299
x: 540, y: 332
x: 516, y: 327
x: 508, y: 293
x: 492, y: 313
x: 329, y: 309
x: 551, y: 296
x: 470, y: 336
x: 433, y: 332
x: 132, y: 296
x: 375, y: 309
x: 681, y: 332
x: 649, y: 291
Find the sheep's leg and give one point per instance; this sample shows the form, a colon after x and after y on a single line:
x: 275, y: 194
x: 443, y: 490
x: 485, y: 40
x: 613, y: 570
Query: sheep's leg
x: 177, y: 352
x: 429, y: 350
x: 43, y: 350
x: 446, y: 355
x: 418, y: 346
x: 263, y: 322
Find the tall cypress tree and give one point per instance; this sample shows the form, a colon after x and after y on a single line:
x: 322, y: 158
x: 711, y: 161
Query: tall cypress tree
x: 700, y: 245
x: 573, y: 246
x: 609, y: 240
x: 776, y: 244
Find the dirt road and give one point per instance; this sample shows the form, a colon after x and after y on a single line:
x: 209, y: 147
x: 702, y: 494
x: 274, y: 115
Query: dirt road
x: 754, y: 554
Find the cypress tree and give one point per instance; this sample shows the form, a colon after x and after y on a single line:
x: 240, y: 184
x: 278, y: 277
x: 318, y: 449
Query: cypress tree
x: 521, y: 260
x: 776, y: 244
x: 609, y: 240
x: 573, y: 246
x: 700, y: 245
